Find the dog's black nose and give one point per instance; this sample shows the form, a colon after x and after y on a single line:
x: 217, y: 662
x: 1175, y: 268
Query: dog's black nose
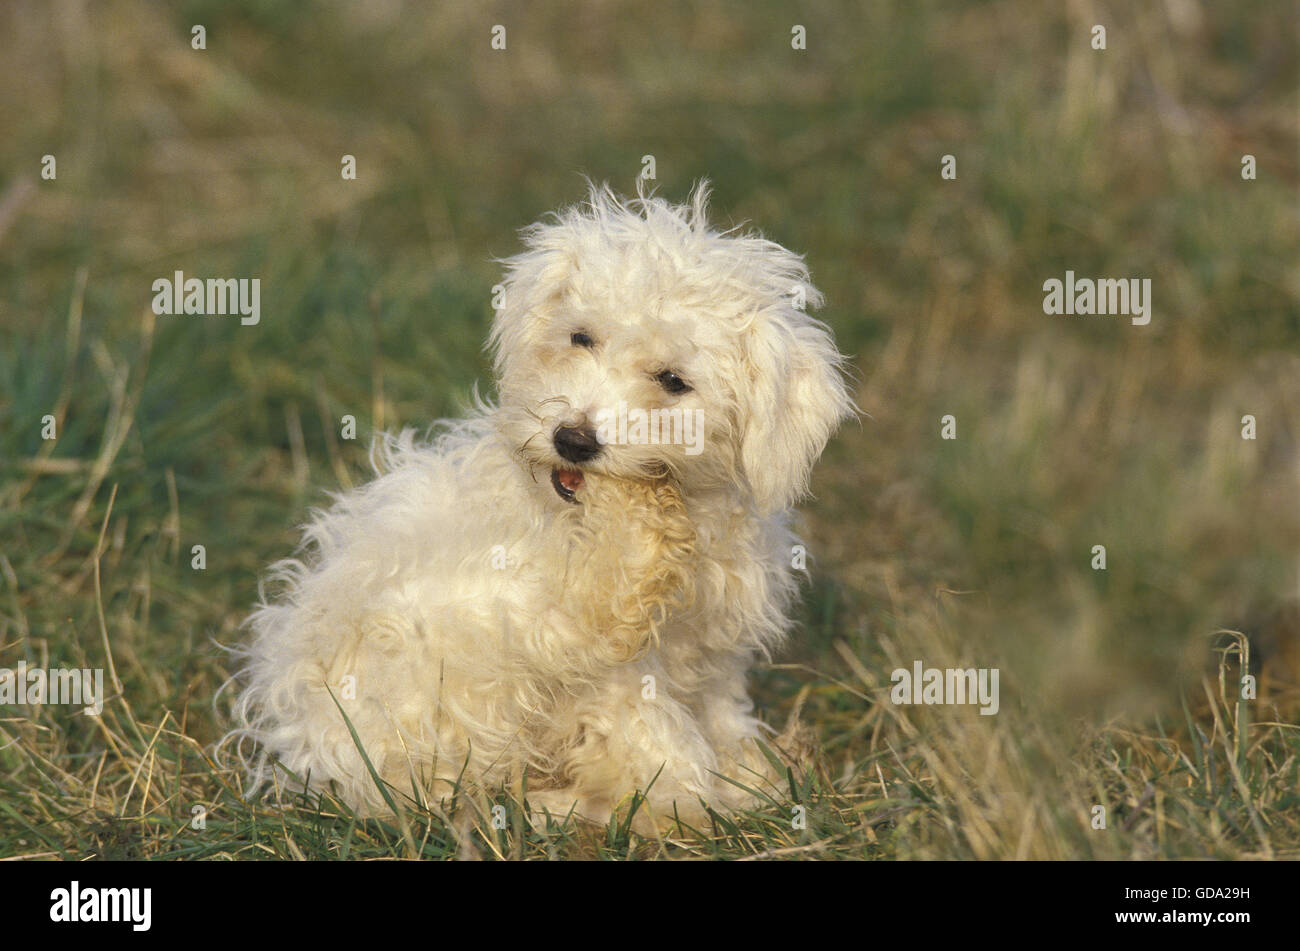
x: 576, y: 444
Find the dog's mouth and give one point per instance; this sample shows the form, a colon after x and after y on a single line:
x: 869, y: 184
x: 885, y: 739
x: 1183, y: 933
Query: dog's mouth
x: 567, y: 482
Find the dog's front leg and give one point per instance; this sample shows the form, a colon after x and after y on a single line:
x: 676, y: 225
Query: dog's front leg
x: 635, y: 738
x: 725, y: 714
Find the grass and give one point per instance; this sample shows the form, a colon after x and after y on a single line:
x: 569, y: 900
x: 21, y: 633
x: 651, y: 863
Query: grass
x: 1118, y: 686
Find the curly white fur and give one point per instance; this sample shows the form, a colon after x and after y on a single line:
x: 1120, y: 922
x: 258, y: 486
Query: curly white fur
x: 473, y: 623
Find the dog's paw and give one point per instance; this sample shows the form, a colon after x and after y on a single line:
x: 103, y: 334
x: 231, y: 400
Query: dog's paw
x: 562, y: 805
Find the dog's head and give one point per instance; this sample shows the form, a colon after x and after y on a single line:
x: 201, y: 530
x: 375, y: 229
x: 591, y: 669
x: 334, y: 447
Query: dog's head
x: 634, y: 342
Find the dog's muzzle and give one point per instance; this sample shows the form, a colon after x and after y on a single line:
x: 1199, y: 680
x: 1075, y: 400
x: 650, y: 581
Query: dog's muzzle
x: 576, y: 444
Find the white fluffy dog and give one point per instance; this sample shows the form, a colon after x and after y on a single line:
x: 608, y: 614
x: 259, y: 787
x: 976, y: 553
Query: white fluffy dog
x: 576, y: 582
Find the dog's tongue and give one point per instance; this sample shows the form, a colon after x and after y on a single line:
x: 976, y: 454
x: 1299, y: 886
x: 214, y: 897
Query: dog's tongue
x: 571, y: 479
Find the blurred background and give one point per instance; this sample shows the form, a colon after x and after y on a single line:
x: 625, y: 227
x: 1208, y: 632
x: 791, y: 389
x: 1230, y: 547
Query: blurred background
x: 1118, y: 685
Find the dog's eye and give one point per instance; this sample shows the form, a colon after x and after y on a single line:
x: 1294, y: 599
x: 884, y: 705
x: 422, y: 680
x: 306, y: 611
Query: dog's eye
x: 581, y: 339
x: 671, y: 382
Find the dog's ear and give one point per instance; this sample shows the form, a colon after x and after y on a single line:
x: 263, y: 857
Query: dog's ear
x: 793, y: 396
x: 536, y: 282
x: 538, y: 279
